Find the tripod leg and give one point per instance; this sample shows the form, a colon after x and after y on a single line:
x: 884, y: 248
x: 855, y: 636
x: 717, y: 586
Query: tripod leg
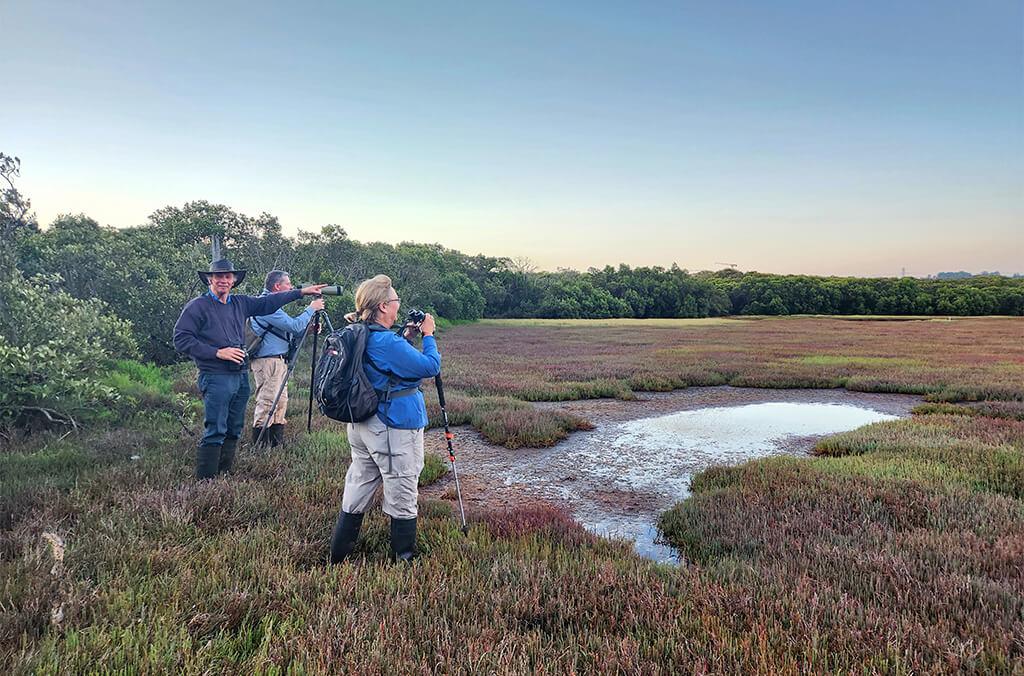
x: 312, y: 372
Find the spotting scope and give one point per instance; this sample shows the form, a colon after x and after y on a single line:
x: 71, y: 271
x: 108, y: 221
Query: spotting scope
x: 334, y: 290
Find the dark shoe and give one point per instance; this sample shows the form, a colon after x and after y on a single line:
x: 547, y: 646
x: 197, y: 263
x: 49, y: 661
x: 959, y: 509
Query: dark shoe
x: 276, y: 434
x: 227, y: 454
x: 256, y: 441
x: 207, y: 461
x: 403, y: 539
x: 346, y: 530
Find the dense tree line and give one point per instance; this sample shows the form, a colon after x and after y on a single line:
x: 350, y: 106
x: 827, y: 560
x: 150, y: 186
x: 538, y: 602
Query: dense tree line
x: 145, y: 274
x: 755, y: 293
x: 77, y: 296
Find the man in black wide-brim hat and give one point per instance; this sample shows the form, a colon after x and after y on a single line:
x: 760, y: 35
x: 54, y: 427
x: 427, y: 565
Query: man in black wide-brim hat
x: 211, y: 330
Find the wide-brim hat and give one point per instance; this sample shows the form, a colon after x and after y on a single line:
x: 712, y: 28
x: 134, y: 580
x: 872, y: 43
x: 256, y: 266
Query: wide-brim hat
x: 222, y: 265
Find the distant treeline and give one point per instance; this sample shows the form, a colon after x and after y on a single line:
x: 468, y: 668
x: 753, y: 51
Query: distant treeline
x: 146, y: 273
x: 963, y: 274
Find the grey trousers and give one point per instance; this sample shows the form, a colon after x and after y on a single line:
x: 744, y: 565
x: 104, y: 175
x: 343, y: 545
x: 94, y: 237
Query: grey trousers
x: 371, y: 466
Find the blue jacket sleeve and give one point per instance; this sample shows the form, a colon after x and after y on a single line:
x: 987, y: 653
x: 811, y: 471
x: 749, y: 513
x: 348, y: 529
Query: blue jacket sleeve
x: 405, y: 361
x: 257, y: 306
x: 186, y: 335
x: 281, y: 320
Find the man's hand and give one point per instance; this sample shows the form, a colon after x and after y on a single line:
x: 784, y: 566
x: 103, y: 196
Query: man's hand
x: 312, y: 289
x: 317, y: 304
x: 427, y: 325
x: 231, y: 354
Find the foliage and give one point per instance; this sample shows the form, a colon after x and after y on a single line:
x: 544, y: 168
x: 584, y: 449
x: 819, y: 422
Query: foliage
x: 434, y: 467
x: 833, y: 549
x: 505, y: 421
x: 147, y: 273
x: 55, y: 351
x: 756, y: 293
x: 144, y: 386
x: 16, y: 218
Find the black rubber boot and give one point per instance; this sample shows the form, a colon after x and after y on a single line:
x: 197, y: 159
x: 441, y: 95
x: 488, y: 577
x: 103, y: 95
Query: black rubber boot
x: 403, y: 539
x: 227, y: 454
x: 346, y: 530
x: 276, y: 434
x: 256, y: 441
x: 207, y: 461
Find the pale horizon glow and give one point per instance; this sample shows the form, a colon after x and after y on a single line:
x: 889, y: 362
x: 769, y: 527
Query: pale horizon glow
x: 856, y: 139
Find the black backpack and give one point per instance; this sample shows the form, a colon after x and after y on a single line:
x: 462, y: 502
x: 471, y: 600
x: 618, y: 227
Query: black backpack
x: 342, y: 390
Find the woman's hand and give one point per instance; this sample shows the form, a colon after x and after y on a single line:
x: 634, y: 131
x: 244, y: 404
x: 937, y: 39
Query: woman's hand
x: 427, y: 325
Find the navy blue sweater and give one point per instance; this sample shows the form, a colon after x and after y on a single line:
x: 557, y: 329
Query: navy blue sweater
x: 206, y: 325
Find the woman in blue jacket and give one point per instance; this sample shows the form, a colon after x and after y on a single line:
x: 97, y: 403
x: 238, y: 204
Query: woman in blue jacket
x: 388, y: 447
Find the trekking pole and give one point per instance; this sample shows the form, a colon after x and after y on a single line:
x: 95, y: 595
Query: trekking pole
x: 280, y: 391
x: 451, y: 451
x: 312, y: 371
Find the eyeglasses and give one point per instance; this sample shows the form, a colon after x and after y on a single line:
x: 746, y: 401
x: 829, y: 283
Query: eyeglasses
x: 393, y: 300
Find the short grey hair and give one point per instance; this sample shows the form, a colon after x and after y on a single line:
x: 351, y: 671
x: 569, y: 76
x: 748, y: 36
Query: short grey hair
x: 273, y: 278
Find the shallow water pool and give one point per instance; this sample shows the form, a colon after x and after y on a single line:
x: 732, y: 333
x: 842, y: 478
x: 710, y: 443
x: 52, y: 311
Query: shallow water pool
x: 618, y: 479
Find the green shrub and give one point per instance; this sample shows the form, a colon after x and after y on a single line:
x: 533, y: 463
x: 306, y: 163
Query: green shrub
x: 434, y: 468
x: 55, y: 351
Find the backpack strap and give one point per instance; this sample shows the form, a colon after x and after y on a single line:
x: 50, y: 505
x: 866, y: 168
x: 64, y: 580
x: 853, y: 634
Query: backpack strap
x: 257, y: 341
x: 270, y: 329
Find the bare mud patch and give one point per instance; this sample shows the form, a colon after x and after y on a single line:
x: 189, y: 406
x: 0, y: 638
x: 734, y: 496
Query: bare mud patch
x: 640, y: 457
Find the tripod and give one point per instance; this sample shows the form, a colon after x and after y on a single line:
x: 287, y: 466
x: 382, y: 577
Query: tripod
x: 315, y: 323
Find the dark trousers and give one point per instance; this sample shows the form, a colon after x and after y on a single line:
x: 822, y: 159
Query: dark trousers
x: 224, y: 398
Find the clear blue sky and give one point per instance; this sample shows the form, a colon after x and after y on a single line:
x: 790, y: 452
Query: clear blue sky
x: 816, y: 137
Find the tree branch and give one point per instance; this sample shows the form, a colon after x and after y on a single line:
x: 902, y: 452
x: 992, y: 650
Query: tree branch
x: 51, y: 415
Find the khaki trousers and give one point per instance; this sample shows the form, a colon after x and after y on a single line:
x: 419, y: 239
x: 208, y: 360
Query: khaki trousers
x: 268, y: 373
x: 372, y: 464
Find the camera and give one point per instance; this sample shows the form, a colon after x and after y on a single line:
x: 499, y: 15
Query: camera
x: 411, y: 328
